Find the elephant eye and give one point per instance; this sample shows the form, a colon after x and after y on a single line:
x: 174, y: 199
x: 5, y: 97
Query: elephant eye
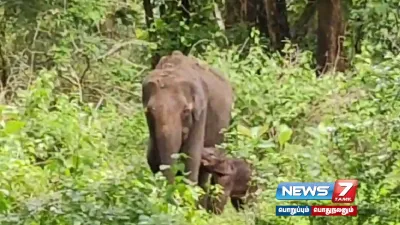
x: 186, y: 112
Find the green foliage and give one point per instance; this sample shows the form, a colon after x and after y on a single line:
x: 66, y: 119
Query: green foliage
x: 88, y: 172
x: 173, y: 30
x: 92, y: 167
x: 375, y: 25
x: 295, y: 127
x: 73, y: 135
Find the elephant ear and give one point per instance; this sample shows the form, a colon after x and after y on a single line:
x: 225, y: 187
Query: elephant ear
x: 199, y: 100
x: 148, y: 88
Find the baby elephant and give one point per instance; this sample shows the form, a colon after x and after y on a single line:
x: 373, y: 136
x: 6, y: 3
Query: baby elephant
x: 233, y: 175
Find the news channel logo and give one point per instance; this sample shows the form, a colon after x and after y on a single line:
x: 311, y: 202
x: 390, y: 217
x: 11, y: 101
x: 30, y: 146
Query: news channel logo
x: 340, y: 191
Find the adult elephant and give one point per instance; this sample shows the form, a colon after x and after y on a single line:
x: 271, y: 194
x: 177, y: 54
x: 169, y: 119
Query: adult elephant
x: 186, y: 106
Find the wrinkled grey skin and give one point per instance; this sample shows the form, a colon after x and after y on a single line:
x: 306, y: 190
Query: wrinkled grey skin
x: 186, y: 107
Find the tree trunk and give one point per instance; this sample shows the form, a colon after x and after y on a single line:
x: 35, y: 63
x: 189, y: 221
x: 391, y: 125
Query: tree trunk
x: 232, y: 13
x: 278, y: 27
x: 185, y: 6
x: 149, y: 16
x: 282, y: 19
x: 262, y: 18
x: 300, y: 27
x: 162, y: 10
x: 330, y: 36
x: 4, y: 69
x: 4, y: 61
x: 238, y: 11
x: 249, y: 11
x: 148, y: 11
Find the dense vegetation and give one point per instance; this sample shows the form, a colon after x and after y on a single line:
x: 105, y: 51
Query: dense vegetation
x: 73, y: 134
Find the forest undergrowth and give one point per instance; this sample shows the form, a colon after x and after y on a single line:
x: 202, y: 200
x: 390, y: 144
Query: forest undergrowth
x: 291, y: 125
x: 73, y: 135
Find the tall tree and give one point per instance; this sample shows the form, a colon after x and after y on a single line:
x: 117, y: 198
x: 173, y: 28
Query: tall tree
x: 185, y: 7
x: 278, y: 26
x: 149, y: 16
x: 301, y: 26
x: 237, y: 11
x: 330, y: 36
x: 148, y: 11
x: 4, y: 62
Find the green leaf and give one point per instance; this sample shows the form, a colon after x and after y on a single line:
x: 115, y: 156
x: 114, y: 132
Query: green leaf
x: 258, y: 131
x: 244, y: 130
x: 312, y: 131
x: 13, y: 126
x: 285, y: 133
x: 5, y: 192
x: 263, y: 130
x: 3, y: 204
x: 266, y: 144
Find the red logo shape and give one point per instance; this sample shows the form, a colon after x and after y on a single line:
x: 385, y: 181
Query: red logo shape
x: 345, y: 191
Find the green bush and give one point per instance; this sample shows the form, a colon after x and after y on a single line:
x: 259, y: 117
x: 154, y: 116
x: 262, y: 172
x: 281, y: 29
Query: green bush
x: 64, y: 162
x: 73, y: 135
x: 296, y: 127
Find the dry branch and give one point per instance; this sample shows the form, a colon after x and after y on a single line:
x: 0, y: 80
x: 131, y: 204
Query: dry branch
x: 119, y: 46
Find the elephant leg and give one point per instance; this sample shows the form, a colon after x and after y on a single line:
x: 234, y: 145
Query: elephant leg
x: 202, y: 181
x: 203, y: 178
x: 153, y: 157
x: 237, y: 203
x: 204, y: 201
x: 217, y: 205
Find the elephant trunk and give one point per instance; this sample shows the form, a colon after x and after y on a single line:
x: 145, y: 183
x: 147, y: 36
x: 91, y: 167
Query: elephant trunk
x: 169, y: 140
